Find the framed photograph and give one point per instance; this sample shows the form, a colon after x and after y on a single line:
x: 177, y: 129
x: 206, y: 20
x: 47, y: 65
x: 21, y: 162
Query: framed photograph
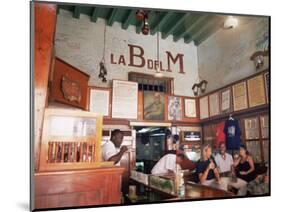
x: 256, y: 91
x: 240, y: 101
x: 267, y: 89
x: 204, y: 107
x: 214, y: 104
x: 226, y: 101
x: 174, y: 108
x: 153, y: 105
x: 190, y: 108
x: 99, y: 101
x: 124, y: 99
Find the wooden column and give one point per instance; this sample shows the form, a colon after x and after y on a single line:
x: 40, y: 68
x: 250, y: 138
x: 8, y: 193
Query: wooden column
x: 44, y: 31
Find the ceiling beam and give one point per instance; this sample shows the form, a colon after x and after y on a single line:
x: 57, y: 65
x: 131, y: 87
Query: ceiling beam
x: 76, y: 12
x: 199, y: 38
x: 175, y: 26
x: 112, y: 16
x: 126, y: 22
x: 95, y: 14
x: 190, y: 28
x: 161, y: 22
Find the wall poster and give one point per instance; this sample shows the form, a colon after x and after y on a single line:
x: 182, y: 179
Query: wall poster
x: 226, y: 101
x: 174, y: 108
x: 239, y: 96
x: 153, y: 105
x: 204, y: 107
x: 214, y: 104
x: 190, y: 108
x: 125, y: 99
x: 99, y: 101
x: 256, y: 91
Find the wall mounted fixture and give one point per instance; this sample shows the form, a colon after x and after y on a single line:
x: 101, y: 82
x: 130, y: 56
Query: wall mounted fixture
x: 258, y: 58
x: 201, y: 86
x: 142, y: 15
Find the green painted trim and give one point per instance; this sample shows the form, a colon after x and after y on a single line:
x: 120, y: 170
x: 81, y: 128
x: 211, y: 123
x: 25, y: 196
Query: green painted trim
x: 76, y: 12
x: 190, y: 28
x: 179, y: 22
x: 127, y: 21
x: 112, y: 17
x: 163, y: 21
x: 95, y: 14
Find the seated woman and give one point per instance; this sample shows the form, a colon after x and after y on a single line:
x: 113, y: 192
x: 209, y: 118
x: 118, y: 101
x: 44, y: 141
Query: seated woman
x: 244, y: 171
x: 207, y: 170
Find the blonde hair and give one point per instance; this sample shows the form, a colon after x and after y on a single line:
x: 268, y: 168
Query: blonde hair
x: 204, y: 149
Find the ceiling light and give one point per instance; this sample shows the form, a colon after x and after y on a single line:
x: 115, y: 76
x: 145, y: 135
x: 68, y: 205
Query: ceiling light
x: 230, y: 22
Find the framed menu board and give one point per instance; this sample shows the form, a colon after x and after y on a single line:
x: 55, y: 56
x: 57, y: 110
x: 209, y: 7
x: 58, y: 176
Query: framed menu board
x: 256, y: 91
x: 214, y: 104
x: 204, y: 107
x: 99, y: 101
x: 239, y: 96
x: 226, y: 103
x: 190, y: 108
x: 125, y: 99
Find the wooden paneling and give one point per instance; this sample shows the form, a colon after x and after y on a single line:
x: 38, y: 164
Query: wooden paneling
x: 63, y: 69
x: 44, y: 29
x: 78, y: 188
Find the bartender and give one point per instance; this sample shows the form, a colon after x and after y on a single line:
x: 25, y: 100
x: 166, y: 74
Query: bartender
x: 112, y: 150
x: 168, y: 164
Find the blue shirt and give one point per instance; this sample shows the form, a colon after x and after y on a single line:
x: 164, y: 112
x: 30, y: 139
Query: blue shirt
x: 202, y: 166
x: 232, y: 134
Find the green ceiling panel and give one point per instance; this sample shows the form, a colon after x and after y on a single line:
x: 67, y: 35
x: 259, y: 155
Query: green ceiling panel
x: 191, y: 26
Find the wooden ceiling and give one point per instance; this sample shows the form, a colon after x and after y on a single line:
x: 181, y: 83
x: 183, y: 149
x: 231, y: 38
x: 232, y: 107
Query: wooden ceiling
x: 191, y: 26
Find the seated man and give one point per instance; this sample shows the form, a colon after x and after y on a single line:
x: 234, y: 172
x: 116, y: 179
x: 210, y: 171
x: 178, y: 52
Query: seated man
x: 224, y: 161
x: 111, y: 150
x: 167, y: 164
x: 207, y: 170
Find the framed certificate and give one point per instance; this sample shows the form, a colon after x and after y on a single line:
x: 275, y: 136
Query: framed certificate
x: 256, y: 91
x: 214, y: 104
x: 204, y: 107
x: 226, y: 102
x: 99, y: 101
x: 125, y: 99
x: 174, y: 108
x: 267, y: 84
x: 190, y: 108
x: 239, y: 96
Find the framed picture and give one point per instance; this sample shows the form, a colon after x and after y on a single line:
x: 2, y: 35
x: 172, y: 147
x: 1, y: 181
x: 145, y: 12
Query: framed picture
x: 256, y: 91
x: 99, y: 101
x: 226, y: 101
x: 125, y: 99
x: 266, y: 82
x: 204, y: 107
x: 239, y: 96
x: 190, y: 108
x: 174, y: 108
x: 153, y: 105
x: 214, y: 104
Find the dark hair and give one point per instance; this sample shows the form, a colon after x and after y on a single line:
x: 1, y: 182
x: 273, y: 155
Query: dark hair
x: 245, y: 148
x: 181, y: 156
x: 115, y: 132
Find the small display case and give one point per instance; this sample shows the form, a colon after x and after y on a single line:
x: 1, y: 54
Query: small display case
x: 71, y: 140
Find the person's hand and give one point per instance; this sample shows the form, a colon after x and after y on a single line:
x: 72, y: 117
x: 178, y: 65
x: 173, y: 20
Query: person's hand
x: 218, y: 181
x: 124, y: 148
x: 243, y: 173
x: 211, y: 165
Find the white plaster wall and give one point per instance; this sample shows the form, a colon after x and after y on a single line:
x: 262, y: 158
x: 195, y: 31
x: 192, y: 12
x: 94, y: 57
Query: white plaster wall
x: 225, y: 56
x: 80, y: 43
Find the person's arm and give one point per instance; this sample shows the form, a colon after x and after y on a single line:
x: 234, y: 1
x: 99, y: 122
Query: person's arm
x: 252, y: 166
x: 203, y: 176
x: 116, y: 158
x: 217, y: 175
x: 236, y: 162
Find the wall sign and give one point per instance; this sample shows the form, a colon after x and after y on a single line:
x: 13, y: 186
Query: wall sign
x: 125, y: 99
x: 99, y: 101
x: 204, y: 107
x: 226, y: 101
x: 214, y: 104
x: 190, y: 108
x: 137, y: 59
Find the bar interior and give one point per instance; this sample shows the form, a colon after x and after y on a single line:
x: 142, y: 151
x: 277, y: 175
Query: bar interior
x: 138, y: 105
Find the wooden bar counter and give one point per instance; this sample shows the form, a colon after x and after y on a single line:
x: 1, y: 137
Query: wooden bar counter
x: 99, y: 186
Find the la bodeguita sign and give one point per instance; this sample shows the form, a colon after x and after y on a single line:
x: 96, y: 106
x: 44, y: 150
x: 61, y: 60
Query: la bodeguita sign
x: 137, y: 59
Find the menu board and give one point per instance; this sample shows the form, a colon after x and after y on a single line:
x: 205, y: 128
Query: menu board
x: 226, y: 101
x: 124, y: 99
x: 240, y: 96
x: 204, y: 107
x: 214, y: 104
x: 256, y: 91
x: 99, y: 101
x: 190, y: 108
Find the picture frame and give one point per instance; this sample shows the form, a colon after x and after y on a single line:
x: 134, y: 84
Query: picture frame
x: 226, y: 103
x: 214, y: 104
x: 204, y: 107
x: 256, y: 91
x: 190, y: 109
x: 153, y: 106
x: 100, y: 101
x: 240, y: 97
x: 174, y: 108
